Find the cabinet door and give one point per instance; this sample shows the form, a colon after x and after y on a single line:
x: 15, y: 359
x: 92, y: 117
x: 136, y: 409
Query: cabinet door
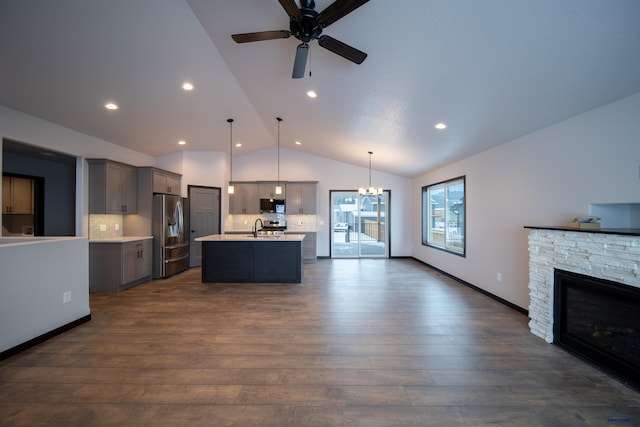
x: 165, y: 183
x: 309, y: 197
x: 294, y: 198
x: 268, y: 191
x: 22, y: 194
x: 236, y: 200
x: 129, y: 189
x: 251, y: 199
x: 130, y: 260
x: 144, y: 262
x: 115, y: 203
x: 159, y: 182
x: 173, y: 185
x: 6, y: 194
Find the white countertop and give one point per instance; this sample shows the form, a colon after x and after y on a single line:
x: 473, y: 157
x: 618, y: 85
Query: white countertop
x: 249, y: 237
x: 14, y: 241
x: 121, y: 239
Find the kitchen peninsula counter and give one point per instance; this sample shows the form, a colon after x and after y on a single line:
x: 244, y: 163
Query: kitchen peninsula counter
x: 243, y: 258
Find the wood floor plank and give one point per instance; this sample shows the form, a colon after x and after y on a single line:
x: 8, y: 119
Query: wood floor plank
x: 358, y: 343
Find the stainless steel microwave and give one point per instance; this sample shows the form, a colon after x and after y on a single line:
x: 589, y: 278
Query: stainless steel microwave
x: 272, y: 205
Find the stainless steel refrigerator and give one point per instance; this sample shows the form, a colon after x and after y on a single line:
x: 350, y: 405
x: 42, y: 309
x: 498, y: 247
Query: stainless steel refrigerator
x: 170, y: 237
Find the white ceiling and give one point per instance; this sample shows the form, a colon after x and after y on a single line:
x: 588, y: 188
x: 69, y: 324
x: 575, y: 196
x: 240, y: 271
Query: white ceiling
x: 493, y: 70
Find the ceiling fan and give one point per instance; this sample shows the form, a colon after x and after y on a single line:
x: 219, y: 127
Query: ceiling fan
x: 306, y: 24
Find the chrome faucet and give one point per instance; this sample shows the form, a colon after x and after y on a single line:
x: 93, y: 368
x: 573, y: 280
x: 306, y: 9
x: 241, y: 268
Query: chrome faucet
x: 255, y: 227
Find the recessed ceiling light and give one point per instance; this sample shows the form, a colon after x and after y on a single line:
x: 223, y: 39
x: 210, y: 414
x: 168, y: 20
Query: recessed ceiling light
x: 187, y: 86
x: 312, y: 94
x: 238, y: 145
x: 440, y: 126
x: 298, y: 143
x: 110, y: 106
x: 182, y: 142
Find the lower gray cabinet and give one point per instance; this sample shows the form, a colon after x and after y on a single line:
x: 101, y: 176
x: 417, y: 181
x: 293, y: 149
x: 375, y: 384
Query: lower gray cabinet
x: 309, y: 247
x: 114, y: 266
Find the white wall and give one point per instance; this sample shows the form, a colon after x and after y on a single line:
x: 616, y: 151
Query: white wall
x: 332, y: 175
x: 35, y: 276
x: 545, y: 178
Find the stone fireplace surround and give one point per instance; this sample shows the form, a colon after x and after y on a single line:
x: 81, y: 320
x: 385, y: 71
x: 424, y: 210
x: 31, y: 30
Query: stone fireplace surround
x: 611, y: 254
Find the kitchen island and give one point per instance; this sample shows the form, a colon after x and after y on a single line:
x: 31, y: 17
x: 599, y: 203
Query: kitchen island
x: 237, y: 258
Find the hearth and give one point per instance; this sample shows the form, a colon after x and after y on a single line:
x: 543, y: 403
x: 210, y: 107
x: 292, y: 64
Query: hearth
x: 599, y: 320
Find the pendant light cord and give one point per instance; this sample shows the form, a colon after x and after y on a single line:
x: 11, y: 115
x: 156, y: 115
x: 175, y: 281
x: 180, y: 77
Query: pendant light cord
x: 279, y: 120
x: 370, y: 153
x: 230, y: 121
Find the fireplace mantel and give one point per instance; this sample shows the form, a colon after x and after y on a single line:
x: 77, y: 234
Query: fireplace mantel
x: 620, y: 231
x: 610, y: 254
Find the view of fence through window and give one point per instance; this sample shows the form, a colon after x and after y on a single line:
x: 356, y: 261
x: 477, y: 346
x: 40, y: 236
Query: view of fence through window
x: 443, y: 215
x: 359, y: 225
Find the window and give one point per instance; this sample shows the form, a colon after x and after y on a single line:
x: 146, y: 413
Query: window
x: 443, y: 215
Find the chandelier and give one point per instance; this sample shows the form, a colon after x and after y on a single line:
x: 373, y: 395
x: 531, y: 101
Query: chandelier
x: 370, y: 191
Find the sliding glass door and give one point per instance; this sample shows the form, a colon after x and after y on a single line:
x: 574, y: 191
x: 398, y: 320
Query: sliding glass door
x: 359, y: 226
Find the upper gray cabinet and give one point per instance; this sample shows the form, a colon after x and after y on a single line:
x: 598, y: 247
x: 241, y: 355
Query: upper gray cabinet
x: 245, y: 199
x: 301, y: 198
x: 268, y: 190
x: 166, y: 182
x: 113, y: 187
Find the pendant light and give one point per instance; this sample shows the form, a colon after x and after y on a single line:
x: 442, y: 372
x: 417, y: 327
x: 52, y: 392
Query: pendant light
x: 370, y: 191
x: 231, y: 188
x: 278, y: 187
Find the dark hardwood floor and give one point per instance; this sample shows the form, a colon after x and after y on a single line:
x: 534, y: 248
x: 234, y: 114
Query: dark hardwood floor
x: 358, y: 343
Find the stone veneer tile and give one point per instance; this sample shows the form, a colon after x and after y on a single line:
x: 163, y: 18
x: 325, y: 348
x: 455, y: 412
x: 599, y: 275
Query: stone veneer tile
x: 605, y: 256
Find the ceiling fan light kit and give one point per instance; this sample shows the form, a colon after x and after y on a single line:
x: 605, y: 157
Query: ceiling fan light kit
x: 306, y: 24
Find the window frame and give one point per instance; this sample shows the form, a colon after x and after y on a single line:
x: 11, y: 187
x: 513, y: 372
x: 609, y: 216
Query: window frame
x: 427, y: 222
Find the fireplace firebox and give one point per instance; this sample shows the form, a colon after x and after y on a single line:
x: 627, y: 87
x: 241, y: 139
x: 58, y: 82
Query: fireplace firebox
x: 599, y: 320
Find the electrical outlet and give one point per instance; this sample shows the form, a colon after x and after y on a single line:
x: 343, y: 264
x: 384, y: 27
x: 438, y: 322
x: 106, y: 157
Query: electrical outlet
x: 66, y: 297
x: 117, y: 227
x: 300, y: 222
x: 499, y: 277
x: 103, y: 227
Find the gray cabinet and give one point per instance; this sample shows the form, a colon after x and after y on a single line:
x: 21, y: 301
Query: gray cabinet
x: 166, y: 182
x: 245, y: 199
x: 268, y: 190
x: 112, y: 187
x: 301, y: 198
x: 114, y: 266
x: 309, y: 247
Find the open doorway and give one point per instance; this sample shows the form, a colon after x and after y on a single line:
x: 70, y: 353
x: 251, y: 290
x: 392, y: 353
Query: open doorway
x: 359, y: 225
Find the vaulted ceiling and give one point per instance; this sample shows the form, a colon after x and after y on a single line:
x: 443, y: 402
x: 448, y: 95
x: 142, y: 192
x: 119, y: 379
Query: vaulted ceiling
x: 492, y: 70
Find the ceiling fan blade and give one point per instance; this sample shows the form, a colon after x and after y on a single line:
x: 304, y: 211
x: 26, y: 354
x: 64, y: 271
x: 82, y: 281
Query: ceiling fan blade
x: 342, y: 49
x: 300, y: 63
x: 261, y: 35
x: 291, y: 8
x: 337, y: 10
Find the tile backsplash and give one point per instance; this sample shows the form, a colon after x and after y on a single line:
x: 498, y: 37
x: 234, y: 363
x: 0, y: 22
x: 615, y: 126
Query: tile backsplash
x: 306, y: 223
x: 105, y: 226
